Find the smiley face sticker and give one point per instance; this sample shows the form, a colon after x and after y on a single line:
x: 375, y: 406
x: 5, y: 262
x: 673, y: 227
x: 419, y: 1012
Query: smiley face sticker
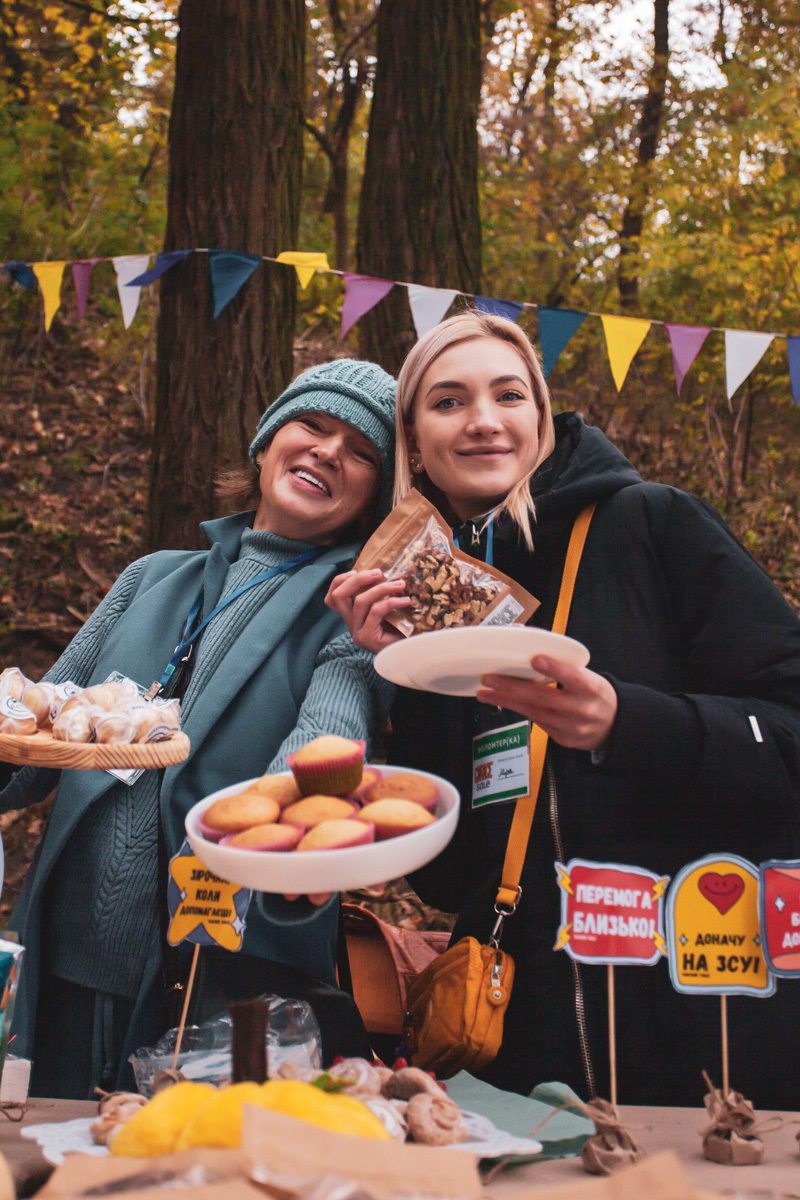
x: 713, y: 929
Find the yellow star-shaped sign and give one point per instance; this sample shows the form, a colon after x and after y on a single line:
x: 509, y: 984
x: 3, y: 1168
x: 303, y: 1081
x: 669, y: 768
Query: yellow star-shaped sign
x: 204, y: 908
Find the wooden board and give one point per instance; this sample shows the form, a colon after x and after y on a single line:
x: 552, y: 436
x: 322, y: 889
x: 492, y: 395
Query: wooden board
x: 43, y: 750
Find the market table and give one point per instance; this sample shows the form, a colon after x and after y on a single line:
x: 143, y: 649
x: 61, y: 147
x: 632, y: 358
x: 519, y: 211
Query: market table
x: 656, y: 1129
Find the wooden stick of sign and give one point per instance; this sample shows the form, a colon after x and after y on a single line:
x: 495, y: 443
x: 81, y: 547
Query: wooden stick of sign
x: 723, y: 1003
x: 186, y: 1000
x: 612, y: 1035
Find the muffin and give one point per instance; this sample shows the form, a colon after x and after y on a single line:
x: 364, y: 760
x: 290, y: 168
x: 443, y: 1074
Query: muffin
x: 403, y: 787
x: 329, y: 765
x: 278, y: 787
x: 394, y: 817
x: 336, y: 835
x: 231, y: 814
x: 265, y: 837
x: 313, y: 810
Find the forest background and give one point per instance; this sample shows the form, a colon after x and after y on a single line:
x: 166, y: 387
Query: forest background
x: 639, y: 157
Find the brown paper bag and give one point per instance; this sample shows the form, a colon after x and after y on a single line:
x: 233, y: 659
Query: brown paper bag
x: 226, y: 1172
x: 283, y: 1149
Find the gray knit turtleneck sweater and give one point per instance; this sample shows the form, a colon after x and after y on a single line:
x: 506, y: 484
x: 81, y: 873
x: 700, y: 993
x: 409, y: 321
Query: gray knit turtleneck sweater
x: 103, y: 892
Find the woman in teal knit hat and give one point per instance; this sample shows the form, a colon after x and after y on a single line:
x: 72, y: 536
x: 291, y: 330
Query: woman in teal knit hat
x: 272, y: 670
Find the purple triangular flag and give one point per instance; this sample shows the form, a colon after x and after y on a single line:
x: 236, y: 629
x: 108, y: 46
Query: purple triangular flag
x: 160, y: 266
x: 361, y: 293
x: 793, y: 347
x: 498, y: 308
x: 81, y: 273
x: 556, y: 327
x: 686, y: 342
x: 230, y: 270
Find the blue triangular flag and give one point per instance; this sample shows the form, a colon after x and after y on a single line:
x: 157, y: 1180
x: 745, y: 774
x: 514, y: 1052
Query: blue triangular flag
x: 21, y: 273
x: 498, y: 308
x: 230, y: 270
x: 556, y: 327
x: 793, y: 346
x: 160, y: 266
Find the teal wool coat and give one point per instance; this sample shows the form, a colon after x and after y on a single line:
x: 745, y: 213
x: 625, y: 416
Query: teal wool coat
x: 236, y: 727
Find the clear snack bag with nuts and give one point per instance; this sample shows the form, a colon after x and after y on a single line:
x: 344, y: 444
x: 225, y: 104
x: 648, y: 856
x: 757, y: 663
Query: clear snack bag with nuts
x: 448, y: 588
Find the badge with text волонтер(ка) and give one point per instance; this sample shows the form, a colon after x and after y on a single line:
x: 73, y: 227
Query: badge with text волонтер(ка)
x: 611, y: 914
x: 713, y: 929
x: 203, y: 908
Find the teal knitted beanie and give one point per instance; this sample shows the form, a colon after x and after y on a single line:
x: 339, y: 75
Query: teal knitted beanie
x: 360, y: 393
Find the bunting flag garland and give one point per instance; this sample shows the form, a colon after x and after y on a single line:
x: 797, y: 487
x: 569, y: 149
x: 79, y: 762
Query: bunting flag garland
x: 624, y: 336
x: 498, y: 308
x: 50, y: 275
x: 160, y: 267
x: 361, y: 293
x: 21, y: 273
x: 793, y: 347
x: 230, y: 271
x: 305, y: 262
x: 743, y: 352
x: 81, y: 273
x: 686, y: 342
x: 128, y: 267
x: 557, y: 326
x: 428, y: 305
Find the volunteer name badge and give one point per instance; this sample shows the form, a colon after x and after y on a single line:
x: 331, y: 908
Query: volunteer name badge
x: 203, y: 908
x: 610, y: 913
x: 779, y: 898
x: 713, y: 929
x: 501, y: 767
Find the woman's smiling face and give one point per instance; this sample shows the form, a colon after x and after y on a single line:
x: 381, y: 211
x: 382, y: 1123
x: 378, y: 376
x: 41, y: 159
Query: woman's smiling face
x: 318, y: 475
x: 475, y: 424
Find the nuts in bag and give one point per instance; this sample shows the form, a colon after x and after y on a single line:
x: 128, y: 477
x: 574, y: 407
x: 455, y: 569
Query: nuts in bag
x: 448, y: 588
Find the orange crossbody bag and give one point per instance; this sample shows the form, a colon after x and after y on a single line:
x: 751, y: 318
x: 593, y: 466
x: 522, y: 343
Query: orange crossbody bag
x: 456, y: 1007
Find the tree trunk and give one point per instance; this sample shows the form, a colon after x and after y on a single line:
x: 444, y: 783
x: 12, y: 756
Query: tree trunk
x: 236, y: 146
x: 649, y: 132
x: 418, y: 215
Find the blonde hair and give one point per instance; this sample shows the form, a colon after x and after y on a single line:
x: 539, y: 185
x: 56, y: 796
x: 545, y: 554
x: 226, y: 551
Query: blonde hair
x: 466, y: 327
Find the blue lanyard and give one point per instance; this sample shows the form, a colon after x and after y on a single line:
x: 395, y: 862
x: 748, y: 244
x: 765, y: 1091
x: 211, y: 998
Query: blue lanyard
x: 489, y: 559
x: 184, y: 647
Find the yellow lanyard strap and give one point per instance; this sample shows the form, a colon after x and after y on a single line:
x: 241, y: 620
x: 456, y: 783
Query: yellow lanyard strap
x: 509, y: 892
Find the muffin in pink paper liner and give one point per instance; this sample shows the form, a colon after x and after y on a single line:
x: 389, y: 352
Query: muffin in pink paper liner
x: 328, y: 765
x: 336, y: 835
x: 265, y: 837
x: 313, y: 810
x: 231, y: 814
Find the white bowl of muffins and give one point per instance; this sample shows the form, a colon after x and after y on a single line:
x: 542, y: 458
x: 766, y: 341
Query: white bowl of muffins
x: 330, y: 825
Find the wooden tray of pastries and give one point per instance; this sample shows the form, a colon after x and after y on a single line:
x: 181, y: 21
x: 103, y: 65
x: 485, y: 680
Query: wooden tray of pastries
x: 41, y: 749
x: 109, y: 726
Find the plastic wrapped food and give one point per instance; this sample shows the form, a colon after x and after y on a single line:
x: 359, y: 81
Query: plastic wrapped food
x: 448, y: 589
x: 15, y: 718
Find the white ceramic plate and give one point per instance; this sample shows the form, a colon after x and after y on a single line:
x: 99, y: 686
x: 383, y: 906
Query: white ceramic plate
x: 452, y: 661
x: 327, y: 870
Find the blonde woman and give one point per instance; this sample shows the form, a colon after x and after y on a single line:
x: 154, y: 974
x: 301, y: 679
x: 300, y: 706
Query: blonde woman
x: 681, y: 738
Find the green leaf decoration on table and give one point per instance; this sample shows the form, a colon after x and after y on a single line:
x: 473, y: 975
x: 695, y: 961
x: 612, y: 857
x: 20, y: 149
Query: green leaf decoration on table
x: 562, y: 1134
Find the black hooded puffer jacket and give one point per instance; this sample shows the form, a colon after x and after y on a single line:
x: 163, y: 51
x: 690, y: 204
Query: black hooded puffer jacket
x: 695, y: 639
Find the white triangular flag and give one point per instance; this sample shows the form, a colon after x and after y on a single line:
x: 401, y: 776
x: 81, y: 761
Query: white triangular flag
x: 428, y: 305
x: 742, y: 352
x: 128, y: 266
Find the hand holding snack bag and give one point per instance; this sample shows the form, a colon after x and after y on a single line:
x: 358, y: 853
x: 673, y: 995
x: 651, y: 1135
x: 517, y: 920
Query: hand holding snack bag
x: 411, y: 578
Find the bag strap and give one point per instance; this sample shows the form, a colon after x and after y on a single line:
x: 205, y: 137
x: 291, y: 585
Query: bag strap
x: 509, y: 892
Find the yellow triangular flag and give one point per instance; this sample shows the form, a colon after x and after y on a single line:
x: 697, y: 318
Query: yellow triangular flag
x: 49, y: 276
x: 305, y: 262
x: 624, y: 336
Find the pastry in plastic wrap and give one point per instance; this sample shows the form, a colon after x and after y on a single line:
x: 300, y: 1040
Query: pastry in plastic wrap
x: 115, y: 726
x: 15, y: 718
x: 75, y: 724
x: 41, y: 699
x: 12, y: 683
